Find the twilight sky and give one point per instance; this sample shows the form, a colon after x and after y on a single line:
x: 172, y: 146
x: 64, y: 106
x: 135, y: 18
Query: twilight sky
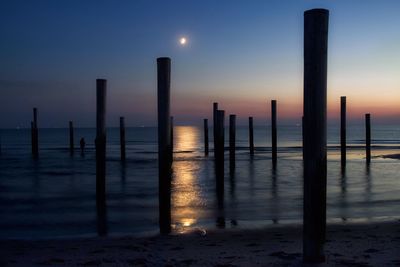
x: 241, y: 54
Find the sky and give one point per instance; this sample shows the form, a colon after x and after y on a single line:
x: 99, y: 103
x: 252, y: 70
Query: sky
x: 240, y: 54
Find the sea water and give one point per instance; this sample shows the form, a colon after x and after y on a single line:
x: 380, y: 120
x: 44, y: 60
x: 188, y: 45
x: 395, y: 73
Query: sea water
x: 54, y: 195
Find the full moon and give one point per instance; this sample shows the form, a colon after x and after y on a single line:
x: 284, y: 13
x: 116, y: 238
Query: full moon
x: 183, y: 40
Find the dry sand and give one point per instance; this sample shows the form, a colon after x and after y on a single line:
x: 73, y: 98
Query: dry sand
x: 375, y: 244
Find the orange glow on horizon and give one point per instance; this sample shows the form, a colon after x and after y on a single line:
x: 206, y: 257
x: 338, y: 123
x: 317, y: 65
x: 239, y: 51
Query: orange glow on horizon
x: 287, y: 108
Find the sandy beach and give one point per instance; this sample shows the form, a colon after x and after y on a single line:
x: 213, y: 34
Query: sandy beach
x: 376, y: 244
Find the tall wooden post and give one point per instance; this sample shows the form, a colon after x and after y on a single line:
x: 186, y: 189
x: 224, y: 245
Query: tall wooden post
x: 122, y: 138
x: 206, y: 137
x: 368, y: 137
x: 273, y: 133
x: 343, y: 130
x: 232, y: 140
x: 251, y: 136
x: 315, y: 98
x: 219, y: 166
x: 302, y: 136
x: 220, y: 134
x: 35, y: 134
x: 215, y: 109
x: 171, y: 156
x: 101, y: 85
x: 71, y: 137
x: 164, y: 143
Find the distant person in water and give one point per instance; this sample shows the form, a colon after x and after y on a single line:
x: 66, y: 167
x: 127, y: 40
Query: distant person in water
x: 82, y: 144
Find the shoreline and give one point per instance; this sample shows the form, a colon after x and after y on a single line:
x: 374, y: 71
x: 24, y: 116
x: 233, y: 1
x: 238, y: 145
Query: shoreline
x: 348, y: 244
x: 240, y: 225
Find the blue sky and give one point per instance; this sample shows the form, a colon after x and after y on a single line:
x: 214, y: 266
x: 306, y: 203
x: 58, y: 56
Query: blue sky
x: 239, y: 53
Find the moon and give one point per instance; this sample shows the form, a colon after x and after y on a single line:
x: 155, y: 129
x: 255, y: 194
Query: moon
x: 183, y: 41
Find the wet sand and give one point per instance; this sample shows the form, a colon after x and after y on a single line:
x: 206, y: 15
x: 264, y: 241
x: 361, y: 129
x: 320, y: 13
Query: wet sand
x: 376, y: 244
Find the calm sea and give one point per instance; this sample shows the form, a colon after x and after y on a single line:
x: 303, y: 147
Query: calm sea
x: 54, y: 196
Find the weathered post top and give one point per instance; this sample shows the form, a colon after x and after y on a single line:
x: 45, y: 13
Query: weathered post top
x: 215, y: 106
x: 316, y: 12
x: 163, y: 73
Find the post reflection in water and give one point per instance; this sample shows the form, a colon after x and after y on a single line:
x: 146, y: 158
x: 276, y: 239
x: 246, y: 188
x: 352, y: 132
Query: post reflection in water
x: 368, y: 190
x: 274, y: 196
x: 219, y: 180
x: 101, y: 209
x: 232, y: 183
x: 232, y: 191
x: 186, y: 193
x: 343, y: 194
x: 368, y: 185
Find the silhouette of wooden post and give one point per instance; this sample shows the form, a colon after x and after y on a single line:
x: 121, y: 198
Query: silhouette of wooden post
x: 343, y: 130
x: 164, y: 143
x: 71, y: 137
x: 220, y: 134
x: 273, y: 133
x: 101, y: 87
x: 232, y: 140
x: 219, y: 165
x: 206, y: 137
x: 368, y: 137
x: 122, y: 138
x: 315, y: 94
x: 172, y: 140
x: 251, y: 136
x: 302, y: 136
x: 35, y: 134
x: 215, y: 110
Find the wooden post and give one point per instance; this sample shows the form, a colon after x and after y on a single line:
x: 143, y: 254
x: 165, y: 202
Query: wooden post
x: 220, y: 134
x: 232, y: 140
x: 343, y: 130
x: 251, y: 136
x: 164, y: 143
x: 35, y: 117
x: 206, y: 137
x: 273, y: 133
x: 302, y: 136
x: 35, y: 134
x: 122, y: 138
x: 71, y: 137
x: 101, y: 87
x: 215, y: 109
x: 219, y: 166
x: 368, y: 137
x: 315, y: 98
x: 172, y: 140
